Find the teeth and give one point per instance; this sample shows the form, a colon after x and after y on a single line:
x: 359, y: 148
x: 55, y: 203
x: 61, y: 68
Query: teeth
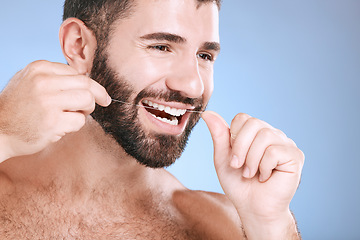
x: 161, y: 108
x: 174, y: 120
x: 172, y: 111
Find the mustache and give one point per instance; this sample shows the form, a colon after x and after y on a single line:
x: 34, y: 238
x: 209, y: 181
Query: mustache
x: 170, y: 96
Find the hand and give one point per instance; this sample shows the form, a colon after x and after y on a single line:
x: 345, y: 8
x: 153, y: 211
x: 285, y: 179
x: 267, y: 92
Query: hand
x: 258, y: 166
x: 42, y: 103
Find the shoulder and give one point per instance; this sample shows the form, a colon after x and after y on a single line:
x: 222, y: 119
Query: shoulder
x: 211, y: 215
x: 205, y: 201
x: 211, y: 212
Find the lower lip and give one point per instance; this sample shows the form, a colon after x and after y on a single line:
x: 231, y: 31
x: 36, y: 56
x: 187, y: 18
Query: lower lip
x: 166, y: 128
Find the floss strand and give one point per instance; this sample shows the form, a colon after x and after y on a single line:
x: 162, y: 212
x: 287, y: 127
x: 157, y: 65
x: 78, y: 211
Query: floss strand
x: 115, y: 100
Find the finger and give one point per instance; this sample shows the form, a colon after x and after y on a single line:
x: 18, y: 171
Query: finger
x: 101, y: 96
x: 236, y: 124
x: 282, y: 158
x: 72, y: 82
x: 71, y: 122
x: 220, y: 134
x: 263, y: 139
x: 63, y: 69
x: 245, y: 136
x: 51, y: 67
x: 62, y: 83
x: 67, y: 122
x: 78, y: 100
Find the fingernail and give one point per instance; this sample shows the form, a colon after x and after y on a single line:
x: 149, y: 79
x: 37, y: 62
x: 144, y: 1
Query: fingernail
x: 246, y: 172
x: 235, y: 162
x: 109, y: 99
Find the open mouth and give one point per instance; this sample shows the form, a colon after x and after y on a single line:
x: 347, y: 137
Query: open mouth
x: 163, y: 113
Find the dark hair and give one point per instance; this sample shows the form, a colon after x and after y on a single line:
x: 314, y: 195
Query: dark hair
x: 99, y: 15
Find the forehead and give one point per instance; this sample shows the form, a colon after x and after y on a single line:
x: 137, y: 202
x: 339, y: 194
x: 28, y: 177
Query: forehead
x: 185, y: 18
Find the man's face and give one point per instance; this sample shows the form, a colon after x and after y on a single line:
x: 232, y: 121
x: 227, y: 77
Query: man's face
x: 161, y: 57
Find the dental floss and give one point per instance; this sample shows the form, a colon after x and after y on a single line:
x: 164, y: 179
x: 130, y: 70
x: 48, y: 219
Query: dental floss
x: 115, y: 100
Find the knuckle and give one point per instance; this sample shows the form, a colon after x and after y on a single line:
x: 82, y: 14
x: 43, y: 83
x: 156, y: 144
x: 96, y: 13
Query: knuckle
x: 301, y: 156
x: 291, y: 142
x: 254, y: 122
x: 259, y: 124
x: 39, y: 82
x: 240, y: 117
x: 37, y: 65
x: 272, y: 152
x: 280, y: 133
x: 266, y: 133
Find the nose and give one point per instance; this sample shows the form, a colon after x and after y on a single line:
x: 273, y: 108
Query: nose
x: 186, y: 78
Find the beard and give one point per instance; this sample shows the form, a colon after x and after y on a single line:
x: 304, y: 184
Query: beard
x: 121, y: 121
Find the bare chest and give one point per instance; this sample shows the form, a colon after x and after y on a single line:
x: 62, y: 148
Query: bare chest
x: 28, y: 219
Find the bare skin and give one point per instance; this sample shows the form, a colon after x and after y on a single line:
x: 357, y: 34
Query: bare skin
x: 127, y: 201
x: 62, y: 177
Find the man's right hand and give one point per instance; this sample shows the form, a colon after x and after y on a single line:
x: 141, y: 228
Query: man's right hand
x: 42, y: 103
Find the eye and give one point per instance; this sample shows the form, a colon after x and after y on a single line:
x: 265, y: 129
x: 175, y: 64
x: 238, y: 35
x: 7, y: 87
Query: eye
x: 206, y: 56
x: 161, y: 48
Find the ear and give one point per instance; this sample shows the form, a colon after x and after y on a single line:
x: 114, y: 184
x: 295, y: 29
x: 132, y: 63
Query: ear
x: 78, y: 44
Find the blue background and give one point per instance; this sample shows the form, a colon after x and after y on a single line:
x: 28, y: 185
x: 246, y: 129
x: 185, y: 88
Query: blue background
x: 294, y: 64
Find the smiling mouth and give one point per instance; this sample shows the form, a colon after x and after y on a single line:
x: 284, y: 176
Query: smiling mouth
x: 163, y: 113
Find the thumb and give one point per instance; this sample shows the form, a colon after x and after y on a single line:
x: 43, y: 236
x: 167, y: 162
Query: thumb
x: 220, y: 133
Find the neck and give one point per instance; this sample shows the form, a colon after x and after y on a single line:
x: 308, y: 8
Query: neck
x: 82, y: 161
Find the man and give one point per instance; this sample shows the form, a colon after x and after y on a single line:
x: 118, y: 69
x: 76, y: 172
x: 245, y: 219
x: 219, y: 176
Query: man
x: 71, y: 170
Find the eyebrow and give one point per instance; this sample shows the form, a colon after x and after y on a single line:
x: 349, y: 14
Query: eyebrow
x: 215, y: 46
x: 163, y: 36
x: 170, y: 37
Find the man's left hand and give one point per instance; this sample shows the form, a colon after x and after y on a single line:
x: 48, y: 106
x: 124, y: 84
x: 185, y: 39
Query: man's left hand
x: 258, y: 166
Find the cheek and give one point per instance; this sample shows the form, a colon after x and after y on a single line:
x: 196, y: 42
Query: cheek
x: 146, y: 71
